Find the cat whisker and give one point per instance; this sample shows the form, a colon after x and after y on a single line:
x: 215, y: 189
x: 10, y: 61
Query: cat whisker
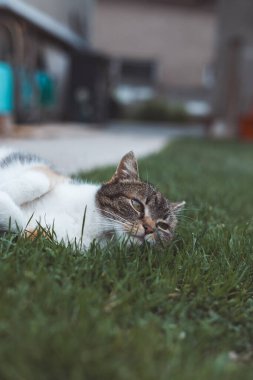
x: 185, y: 217
x: 119, y: 222
x: 114, y: 220
x: 108, y: 225
x: 111, y: 222
x: 117, y: 217
x: 125, y: 225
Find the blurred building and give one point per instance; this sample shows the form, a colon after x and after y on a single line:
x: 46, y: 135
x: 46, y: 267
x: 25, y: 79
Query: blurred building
x: 43, y: 43
x: 77, y: 15
x: 233, y: 97
x: 164, y: 43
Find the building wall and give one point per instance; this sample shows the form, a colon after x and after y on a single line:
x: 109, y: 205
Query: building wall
x: 181, y: 39
x: 233, y: 94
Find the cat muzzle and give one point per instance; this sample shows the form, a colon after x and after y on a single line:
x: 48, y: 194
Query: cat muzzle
x: 148, y: 229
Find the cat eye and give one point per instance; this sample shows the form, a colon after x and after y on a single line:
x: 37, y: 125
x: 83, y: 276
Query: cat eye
x: 162, y: 226
x: 137, y: 205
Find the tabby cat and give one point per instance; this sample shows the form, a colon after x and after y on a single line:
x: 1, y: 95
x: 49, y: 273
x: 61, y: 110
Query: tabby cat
x: 33, y: 194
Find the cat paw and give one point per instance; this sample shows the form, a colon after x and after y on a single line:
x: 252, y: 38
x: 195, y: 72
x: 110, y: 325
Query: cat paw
x: 10, y: 214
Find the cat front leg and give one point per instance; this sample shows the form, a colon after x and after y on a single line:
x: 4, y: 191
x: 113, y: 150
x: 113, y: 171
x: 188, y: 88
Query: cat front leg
x: 11, y: 216
x: 30, y: 185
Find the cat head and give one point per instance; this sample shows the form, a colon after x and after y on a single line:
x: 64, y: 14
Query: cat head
x: 134, y: 209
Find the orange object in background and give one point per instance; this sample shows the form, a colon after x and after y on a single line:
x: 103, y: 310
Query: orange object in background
x: 246, y: 127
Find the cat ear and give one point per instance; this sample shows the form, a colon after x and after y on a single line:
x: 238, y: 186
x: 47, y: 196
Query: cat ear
x: 127, y: 169
x: 177, y: 207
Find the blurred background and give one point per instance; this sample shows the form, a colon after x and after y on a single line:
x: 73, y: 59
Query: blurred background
x: 180, y: 63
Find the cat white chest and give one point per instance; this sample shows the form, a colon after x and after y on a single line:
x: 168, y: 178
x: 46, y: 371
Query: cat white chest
x: 64, y: 210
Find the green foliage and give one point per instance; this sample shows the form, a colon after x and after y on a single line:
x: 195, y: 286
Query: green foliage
x: 141, y: 313
x: 159, y: 110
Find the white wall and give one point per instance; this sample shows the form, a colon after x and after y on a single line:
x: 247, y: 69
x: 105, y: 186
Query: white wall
x: 180, y: 39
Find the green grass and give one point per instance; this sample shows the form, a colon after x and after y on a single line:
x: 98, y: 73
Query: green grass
x: 128, y: 314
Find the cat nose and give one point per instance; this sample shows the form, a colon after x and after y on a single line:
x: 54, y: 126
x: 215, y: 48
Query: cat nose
x: 148, y: 229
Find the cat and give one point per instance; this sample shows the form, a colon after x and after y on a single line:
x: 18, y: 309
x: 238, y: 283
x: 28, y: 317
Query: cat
x: 33, y: 194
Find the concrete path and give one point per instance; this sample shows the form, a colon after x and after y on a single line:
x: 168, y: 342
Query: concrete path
x: 73, y: 147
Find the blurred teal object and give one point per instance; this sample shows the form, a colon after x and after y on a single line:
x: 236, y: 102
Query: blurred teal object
x: 27, y: 92
x: 6, y: 88
x: 46, y: 87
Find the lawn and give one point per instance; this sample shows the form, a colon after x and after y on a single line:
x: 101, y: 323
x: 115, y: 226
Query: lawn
x: 134, y: 314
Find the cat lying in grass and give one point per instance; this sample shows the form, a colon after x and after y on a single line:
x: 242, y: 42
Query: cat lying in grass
x: 33, y: 194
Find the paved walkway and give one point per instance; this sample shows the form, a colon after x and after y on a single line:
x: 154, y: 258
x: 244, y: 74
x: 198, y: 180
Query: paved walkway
x: 73, y: 147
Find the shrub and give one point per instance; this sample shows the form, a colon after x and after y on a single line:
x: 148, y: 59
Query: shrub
x: 160, y: 110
